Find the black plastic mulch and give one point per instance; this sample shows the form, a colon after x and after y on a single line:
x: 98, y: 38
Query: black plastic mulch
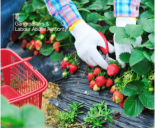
x: 76, y: 89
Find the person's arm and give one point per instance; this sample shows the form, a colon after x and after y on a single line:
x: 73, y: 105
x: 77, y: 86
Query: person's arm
x: 64, y: 11
x: 125, y: 11
x: 86, y: 38
x: 126, y: 8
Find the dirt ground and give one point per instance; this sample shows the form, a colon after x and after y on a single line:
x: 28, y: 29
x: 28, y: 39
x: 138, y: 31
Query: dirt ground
x: 50, y: 111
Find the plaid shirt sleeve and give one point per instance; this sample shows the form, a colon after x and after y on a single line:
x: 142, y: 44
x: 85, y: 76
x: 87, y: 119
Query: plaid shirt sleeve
x: 64, y: 11
x: 126, y: 8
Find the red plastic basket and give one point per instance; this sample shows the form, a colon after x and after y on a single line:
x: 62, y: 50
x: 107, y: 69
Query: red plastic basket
x: 20, y: 83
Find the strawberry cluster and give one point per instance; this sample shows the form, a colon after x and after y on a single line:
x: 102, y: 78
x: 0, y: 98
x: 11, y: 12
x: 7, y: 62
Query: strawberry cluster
x: 98, y: 79
x: 36, y: 44
x: 71, y: 63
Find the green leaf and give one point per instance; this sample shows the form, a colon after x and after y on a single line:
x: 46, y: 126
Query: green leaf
x: 23, y: 34
x: 147, y: 100
x: 125, y: 57
x: 147, y: 14
x: 148, y: 25
x: 32, y: 33
x: 122, y: 38
x: 56, y: 56
x: 22, y: 17
x: 110, y: 2
x: 109, y: 14
x: 134, y: 87
x: 32, y: 117
x: 150, y: 3
x: 84, y: 1
x: 77, y: 4
x: 4, y: 106
x: 152, y: 57
x: 28, y: 9
x: 148, y: 45
x: 98, y: 27
x: 147, y: 55
x: 152, y: 37
x: 46, y: 49
x: 115, y: 29
x: 142, y: 68
x: 63, y: 35
x: 38, y: 4
x: 136, y: 56
x: 92, y: 17
x: 83, y: 9
x: 95, y: 7
x: 133, y: 30
x: 33, y: 16
x: 132, y: 106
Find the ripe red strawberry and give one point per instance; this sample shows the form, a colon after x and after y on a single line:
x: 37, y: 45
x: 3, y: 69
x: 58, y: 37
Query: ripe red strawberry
x: 47, y: 42
x: 97, y: 71
x: 32, y: 43
x: 95, y: 88
x: 90, y: 76
x: 42, y: 30
x: 90, y: 65
x: 35, y: 53
x: 64, y: 64
x: 38, y: 44
x: 92, y: 84
x: 112, y: 69
x: 24, y: 44
x: 52, y: 37
x: 15, y: 35
x: 100, y: 81
x: 56, y: 46
x: 144, y: 109
x: 28, y: 45
x: 112, y: 90
x: 121, y: 104
x: 109, y: 82
x: 73, y: 68
x: 39, y: 52
x: 117, y: 96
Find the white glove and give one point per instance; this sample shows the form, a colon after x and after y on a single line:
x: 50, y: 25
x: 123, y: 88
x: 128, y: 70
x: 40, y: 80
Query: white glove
x: 87, y: 40
x: 120, y: 48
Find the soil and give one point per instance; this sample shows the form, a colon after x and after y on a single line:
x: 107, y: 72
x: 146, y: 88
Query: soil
x: 50, y: 111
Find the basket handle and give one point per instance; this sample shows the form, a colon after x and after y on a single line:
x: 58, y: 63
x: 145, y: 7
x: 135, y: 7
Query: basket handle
x: 23, y: 60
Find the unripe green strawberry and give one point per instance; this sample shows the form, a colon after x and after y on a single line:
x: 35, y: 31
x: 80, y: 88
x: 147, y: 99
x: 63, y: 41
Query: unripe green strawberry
x: 65, y: 59
x: 151, y: 89
x: 65, y: 74
x: 95, y: 88
x: 41, y: 36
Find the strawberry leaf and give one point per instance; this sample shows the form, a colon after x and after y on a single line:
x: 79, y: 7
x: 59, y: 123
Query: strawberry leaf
x: 136, y: 56
x: 56, y: 56
x: 148, y: 25
x: 142, y: 67
x: 147, y: 55
x: 95, y: 7
x: 92, y: 17
x: 63, y: 35
x: 46, y: 49
x: 132, y: 106
x: 134, y: 87
x: 147, y: 44
x: 152, y: 57
x: 151, y: 37
x: 147, y: 100
x: 133, y: 30
x: 125, y: 57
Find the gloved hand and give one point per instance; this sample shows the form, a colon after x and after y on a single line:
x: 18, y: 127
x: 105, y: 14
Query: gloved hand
x: 121, y: 48
x: 87, y: 40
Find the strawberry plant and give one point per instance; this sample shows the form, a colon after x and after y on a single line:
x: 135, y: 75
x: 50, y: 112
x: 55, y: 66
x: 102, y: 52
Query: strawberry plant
x: 13, y: 117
